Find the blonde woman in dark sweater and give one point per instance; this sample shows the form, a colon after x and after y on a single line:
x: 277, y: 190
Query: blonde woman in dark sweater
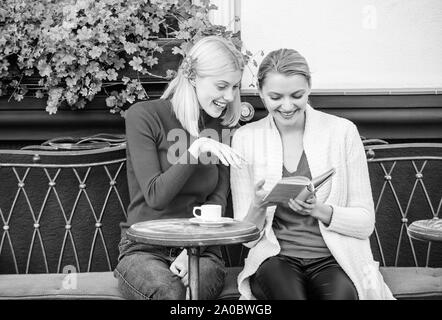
x: 176, y: 159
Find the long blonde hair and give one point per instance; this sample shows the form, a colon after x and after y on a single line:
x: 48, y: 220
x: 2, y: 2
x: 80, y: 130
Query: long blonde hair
x: 211, y: 56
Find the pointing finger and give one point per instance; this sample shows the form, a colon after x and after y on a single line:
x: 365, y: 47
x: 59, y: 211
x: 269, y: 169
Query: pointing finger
x: 221, y: 157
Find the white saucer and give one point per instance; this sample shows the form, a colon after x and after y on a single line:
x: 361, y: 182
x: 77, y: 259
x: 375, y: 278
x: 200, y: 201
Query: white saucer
x: 217, y: 223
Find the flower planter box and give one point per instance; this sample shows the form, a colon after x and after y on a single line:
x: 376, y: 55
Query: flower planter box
x: 411, y: 118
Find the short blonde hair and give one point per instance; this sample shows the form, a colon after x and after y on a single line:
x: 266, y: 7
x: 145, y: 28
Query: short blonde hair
x: 288, y: 62
x: 212, y: 56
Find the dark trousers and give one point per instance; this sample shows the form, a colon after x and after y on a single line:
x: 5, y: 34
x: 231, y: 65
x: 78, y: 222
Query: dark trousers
x: 289, y: 278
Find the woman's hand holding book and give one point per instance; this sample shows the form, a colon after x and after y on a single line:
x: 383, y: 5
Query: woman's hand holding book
x: 303, y: 207
x: 260, y: 194
x: 311, y: 207
x: 257, y: 209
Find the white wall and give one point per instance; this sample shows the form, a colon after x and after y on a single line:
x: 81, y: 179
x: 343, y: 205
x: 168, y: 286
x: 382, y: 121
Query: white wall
x: 225, y: 14
x: 352, y: 44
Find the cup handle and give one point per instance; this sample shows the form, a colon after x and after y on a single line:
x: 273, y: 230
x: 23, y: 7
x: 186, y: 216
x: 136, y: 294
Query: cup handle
x: 194, y: 209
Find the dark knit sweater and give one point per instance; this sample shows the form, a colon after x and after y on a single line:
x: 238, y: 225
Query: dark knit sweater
x: 159, y: 189
x: 298, y: 235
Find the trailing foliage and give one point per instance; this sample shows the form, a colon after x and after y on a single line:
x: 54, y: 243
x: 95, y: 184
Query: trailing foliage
x: 70, y: 50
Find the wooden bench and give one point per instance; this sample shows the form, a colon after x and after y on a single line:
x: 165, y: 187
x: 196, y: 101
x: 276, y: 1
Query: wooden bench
x: 61, y: 211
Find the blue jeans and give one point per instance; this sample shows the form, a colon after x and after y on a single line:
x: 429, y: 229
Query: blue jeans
x: 143, y: 272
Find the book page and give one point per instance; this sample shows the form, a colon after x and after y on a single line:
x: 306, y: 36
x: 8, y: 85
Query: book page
x: 295, y: 180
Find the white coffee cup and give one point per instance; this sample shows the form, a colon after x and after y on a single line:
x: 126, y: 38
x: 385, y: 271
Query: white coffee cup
x: 209, y: 212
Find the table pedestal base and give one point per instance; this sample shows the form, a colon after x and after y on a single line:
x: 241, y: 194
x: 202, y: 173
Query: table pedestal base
x: 194, y: 272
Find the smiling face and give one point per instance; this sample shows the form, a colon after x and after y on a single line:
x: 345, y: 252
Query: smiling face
x: 285, y: 97
x: 215, y: 93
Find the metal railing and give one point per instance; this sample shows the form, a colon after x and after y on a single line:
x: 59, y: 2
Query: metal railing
x: 54, y: 187
x: 409, y: 177
x: 63, y: 207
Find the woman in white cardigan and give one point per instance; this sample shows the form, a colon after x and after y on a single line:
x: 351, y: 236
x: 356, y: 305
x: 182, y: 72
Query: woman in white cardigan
x: 317, y: 249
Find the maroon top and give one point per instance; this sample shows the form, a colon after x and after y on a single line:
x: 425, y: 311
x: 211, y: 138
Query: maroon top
x: 298, y: 235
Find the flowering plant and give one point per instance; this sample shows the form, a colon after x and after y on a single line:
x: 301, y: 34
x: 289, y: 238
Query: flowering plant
x: 70, y: 50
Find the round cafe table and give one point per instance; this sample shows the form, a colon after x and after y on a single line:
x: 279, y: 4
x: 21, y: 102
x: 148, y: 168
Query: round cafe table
x: 186, y: 234
x: 426, y: 230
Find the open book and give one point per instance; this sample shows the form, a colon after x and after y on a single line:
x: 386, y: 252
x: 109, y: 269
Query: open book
x: 297, y: 187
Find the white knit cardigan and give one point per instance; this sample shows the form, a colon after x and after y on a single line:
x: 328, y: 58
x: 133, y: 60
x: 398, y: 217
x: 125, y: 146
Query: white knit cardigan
x: 329, y: 141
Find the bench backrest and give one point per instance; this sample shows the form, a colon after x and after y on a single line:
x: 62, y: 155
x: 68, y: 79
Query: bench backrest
x: 406, y: 183
x: 60, y: 210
